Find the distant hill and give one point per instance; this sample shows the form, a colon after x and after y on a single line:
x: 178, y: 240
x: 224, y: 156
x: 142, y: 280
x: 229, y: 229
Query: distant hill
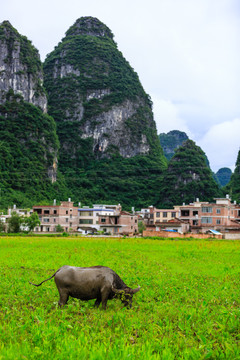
x: 188, y: 177
x: 223, y: 176
x: 233, y: 187
x: 171, y: 141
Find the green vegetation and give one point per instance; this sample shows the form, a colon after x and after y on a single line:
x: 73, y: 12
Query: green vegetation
x: 19, y: 223
x: 141, y: 227
x: 187, y: 308
x: 29, y: 55
x: 171, y: 141
x: 88, y: 24
x: 14, y: 223
x: 223, y: 176
x: 188, y: 177
x: 233, y: 187
x: 98, y: 65
x: 28, y: 148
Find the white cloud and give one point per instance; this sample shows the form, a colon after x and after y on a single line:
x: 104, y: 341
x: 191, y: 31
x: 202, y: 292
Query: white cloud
x: 221, y: 144
x: 167, y: 117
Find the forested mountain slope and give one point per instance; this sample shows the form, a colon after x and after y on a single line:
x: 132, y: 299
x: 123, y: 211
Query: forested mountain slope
x: 109, y: 148
x: 188, y: 177
x: 28, y: 140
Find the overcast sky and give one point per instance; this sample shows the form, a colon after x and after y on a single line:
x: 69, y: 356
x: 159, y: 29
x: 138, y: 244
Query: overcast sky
x: 186, y: 53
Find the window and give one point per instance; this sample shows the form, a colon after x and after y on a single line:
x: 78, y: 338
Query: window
x: 184, y: 212
x: 54, y: 220
x: 206, y: 220
x: 158, y: 214
x: 135, y: 221
x: 164, y: 214
x: 218, y: 221
x: 70, y: 216
x: 39, y: 211
x: 85, y: 213
x: 66, y: 220
x: 207, y: 209
x: 85, y: 221
x: 54, y: 212
x: 103, y: 220
x: 218, y: 211
x: 46, y: 212
x: 66, y: 212
x: 195, y: 212
x: 70, y: 224
x: 46, y: 220
x: 173, y: 214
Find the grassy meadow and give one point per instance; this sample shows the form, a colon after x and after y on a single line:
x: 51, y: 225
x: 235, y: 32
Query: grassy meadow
x: 188, y: 306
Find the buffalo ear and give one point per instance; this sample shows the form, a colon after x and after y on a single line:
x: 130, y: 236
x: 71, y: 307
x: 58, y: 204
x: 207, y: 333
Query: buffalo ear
x: 134, y: 291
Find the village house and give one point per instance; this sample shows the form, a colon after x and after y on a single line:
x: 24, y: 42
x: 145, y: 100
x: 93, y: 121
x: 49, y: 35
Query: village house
x: 65, y: 215
x: 119, y: 223
x: 219, y: 218
x: 164, y: 220
x: 21, y: 212
x: 89, y: 216
x: 109, y: 219
x: 154, y: 215
x: 222, y: 216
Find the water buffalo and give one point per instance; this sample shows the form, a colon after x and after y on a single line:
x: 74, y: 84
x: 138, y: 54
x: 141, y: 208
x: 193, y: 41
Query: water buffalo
x: 86, y: 283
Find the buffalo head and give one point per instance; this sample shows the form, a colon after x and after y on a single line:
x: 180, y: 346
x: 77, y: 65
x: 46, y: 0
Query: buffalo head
x: 126, y: 295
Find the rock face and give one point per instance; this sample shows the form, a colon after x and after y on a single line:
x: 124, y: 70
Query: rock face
x: 20, y: 67
x: 171, y: 141
x: 29, y: 144
x: 96, y: 95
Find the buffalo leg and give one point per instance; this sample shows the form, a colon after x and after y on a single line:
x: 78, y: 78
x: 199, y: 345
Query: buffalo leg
x: 97, y: 302
x: 63, y: 298
x: 104, y: 295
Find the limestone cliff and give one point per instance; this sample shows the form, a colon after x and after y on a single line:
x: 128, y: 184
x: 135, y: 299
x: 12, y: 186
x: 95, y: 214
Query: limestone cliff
x: 28, y: 139
x: 97, y: 96
x: 20, y: 67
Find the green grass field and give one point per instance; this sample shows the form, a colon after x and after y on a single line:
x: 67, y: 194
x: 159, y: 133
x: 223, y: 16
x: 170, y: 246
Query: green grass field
x: 188, y: 306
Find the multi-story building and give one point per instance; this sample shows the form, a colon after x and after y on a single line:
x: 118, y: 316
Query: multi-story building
x: 119, y: 223
x: 65, y: 215
x: 89, y: 216
x: 222, y: 215
x: 152, y: 215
